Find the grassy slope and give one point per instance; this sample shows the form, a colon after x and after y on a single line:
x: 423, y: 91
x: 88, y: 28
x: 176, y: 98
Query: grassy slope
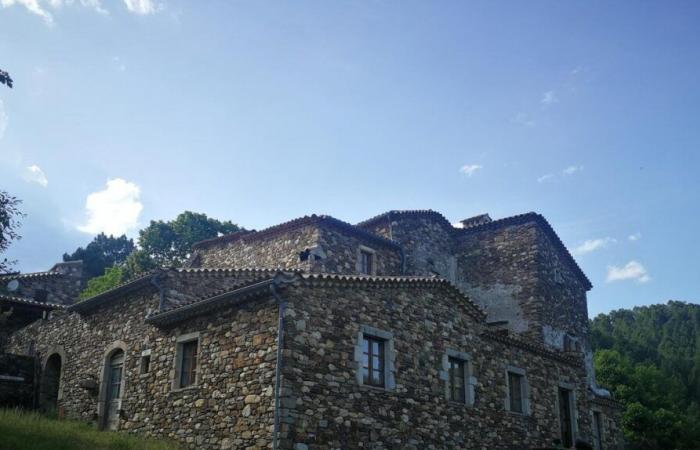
x: 30, y: 431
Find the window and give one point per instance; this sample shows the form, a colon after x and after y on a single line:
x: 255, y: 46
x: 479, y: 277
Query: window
x: 145, y: 362
x: 566, y: 417
x: 457, y: 376
x: 366, y: 262
x: 375, y: 356
x: 517, y: 391
x: 186, y: 361
x: 598, y: 430
x: 373, y: 361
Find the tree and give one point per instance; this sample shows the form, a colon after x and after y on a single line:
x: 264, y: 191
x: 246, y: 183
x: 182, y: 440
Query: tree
x: 5, y: 78
x: 10, y: 216
x: 112, y: 277
x: 103, y: 252
x: 170, y: 243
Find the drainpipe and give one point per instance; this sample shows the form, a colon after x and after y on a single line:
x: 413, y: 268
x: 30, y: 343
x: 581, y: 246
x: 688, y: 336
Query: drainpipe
x: 282, y: 304
x: 155, y: 281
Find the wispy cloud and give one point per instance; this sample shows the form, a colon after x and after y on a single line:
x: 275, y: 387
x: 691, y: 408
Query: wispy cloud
x: 635, y: 237
x: 143, y: 7
x: 572, y: 170
x: 630, y: 271
x: 549, y: 98
x: 592, y: 245
x: 546, y: 177
x: 113, y: 210
x: 119, y: 64
x: 3, y: 119
x: 524, y: 120
x: 470, y: 169
x: 34, y: 174
x: 45, y: 8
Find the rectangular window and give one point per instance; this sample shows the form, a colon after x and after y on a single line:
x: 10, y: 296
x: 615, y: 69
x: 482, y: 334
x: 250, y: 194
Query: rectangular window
x: 598, y: 430
x: 145, y: 363
x: 457, y: 375
x: 366, y: 262
x: 565, y: 417
x: 188, y: 364
x: 516, y: 390
x: 373, y: 361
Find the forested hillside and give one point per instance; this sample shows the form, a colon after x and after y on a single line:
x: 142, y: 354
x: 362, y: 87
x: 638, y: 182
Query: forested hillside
x: 649, y: 357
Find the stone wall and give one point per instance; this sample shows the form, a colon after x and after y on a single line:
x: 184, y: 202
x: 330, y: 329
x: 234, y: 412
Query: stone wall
x: 17, y: 374
x: 326, y: 408
x: 232, y: 405
x: 60, y: 285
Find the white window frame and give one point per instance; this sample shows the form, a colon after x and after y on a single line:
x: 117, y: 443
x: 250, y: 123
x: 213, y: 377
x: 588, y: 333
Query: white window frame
x: 389, y: 356
x: 469, y: 379
x: 524, y: 389
x: 180, y: 341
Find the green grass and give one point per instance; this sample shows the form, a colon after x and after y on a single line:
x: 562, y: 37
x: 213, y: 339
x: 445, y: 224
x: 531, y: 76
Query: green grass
x: 31, y: 431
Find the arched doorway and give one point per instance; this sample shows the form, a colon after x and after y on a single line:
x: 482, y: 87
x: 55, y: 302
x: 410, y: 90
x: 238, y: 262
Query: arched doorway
x: 114, y: 372
x: 50, y: 384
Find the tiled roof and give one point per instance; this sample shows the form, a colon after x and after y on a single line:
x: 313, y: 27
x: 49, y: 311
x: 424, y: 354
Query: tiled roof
x: 294, y: 224
x: 21, y: 276
x: 509, y: 339
x: 405, y: 213
x: 399, y: 281
x: 127, y: 287
x: 539, y: 219
x: 30, y: 302
x: 231, y: 295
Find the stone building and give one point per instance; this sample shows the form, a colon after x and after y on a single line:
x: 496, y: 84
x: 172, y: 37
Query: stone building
x: 401, y: 331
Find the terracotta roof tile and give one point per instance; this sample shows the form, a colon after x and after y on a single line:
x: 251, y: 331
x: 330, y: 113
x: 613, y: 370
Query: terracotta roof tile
x: 30, y: 302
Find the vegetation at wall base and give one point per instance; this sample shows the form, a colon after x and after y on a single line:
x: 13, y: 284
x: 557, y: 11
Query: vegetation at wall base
x: 21, y: 430
x: 649, y: 357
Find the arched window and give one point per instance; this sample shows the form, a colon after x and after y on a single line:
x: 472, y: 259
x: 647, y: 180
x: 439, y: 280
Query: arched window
x: 112, y: 386
x: 50, y: 383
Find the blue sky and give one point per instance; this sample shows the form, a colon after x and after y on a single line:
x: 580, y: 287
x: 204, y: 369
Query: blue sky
x: 259, y: 112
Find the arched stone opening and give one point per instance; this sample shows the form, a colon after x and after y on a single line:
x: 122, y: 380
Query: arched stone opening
x: 112, y: 386
x: 50, y: 384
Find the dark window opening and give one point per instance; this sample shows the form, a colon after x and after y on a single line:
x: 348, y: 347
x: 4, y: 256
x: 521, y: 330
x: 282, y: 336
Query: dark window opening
x: 188, y: 364
x: 565, y: 419
x: 40, y: 295
x: 598, y: 430
x: 145, y: 363
x: 373, y: 361
x: 457, y: 376
x: 366, y: 262
x: 515, y: 392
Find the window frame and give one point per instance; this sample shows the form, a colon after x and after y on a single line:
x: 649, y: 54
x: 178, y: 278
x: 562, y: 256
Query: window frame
x: 599, y: 437
x: 524, y: 390
x: 364, y: 250
x: 389, y: 357
x: 181, y: 342
x: 145, y: 362
x: 468, y: 381
x: 573, y: 414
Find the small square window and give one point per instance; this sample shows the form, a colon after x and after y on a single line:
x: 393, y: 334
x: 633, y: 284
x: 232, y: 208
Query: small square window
x: 516, y: 392
x: 366, y: 262
x: 373, y: 367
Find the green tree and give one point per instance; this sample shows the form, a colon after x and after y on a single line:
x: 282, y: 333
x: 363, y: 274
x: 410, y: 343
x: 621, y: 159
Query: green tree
x: 170, y: 243
x: 103, y: 252
x: 112, y: 277
x: 5, y: 78
x: 10, y: 217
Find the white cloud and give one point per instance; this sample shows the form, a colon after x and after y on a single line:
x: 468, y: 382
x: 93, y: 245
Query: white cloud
x: 549, y: 97
x: 543, y: 178
x: 114, y: 210
x: 34, y: 174
x: 630, y: 271
x: 470, y: 169
x: 3, y: 119
x: 635, y: 237
x: 592, y: 245
x: 33, y: 6
x: 572, y: 170
x: 142, y: 7
x: 119, y: 64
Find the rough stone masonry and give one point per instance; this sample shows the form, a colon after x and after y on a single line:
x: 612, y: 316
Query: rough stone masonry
x: 400, y: 332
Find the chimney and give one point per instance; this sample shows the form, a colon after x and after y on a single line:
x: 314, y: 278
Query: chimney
x: 475, y: 221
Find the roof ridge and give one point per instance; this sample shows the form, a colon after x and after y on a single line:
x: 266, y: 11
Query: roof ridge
x: 46, y: 273
x: 30, y: 301
x: 378, y: 217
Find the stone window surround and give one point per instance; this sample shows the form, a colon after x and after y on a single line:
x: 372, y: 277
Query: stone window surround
x: 145, y: 354
x: 56, y: 350
x: 574, y: 411
x: 525, y: 390
x: 469, y: 378
x: 177, y: 363
x: 363, y: 248
x: 594, y: 410
x: 389, y: 357
x: 102, y: 399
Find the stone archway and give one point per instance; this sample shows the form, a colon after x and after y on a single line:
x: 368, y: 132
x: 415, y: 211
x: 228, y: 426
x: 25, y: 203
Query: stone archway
x: 50, y: 384
x: 111, y: 386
